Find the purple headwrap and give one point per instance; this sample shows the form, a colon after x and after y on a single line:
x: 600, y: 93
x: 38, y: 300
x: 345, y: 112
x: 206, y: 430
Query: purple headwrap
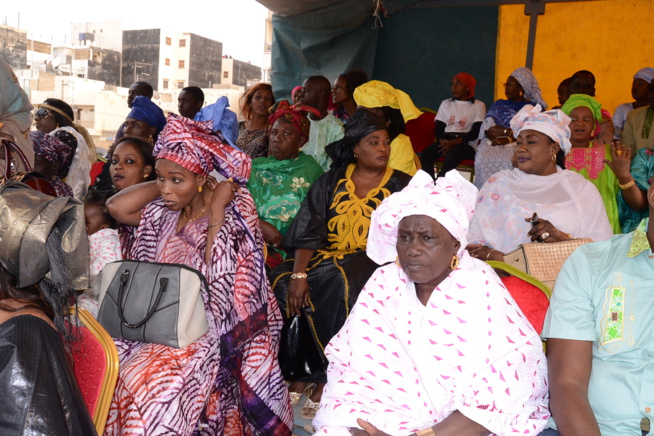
x: 193, y: 145
x: 51, y: 148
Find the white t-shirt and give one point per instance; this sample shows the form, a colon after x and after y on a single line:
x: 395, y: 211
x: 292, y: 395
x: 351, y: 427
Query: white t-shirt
x: 459, y: 115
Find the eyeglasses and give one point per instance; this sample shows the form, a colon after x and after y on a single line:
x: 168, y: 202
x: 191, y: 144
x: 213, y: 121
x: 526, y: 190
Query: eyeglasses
x: 41, y: 113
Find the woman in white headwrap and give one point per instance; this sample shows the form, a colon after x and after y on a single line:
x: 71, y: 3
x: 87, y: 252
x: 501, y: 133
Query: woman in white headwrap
x: 567, y: 205
x: 496, y: 138
x: 435, y: 343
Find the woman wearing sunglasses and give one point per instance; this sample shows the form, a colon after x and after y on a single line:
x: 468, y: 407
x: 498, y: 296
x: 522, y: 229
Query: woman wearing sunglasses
x: 55, y: 117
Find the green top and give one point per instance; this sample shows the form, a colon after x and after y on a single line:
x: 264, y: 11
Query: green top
x: 589, y: 162
x: 279, y: 187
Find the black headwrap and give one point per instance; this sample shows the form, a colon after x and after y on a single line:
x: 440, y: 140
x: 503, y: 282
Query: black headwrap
x: 361, y: 124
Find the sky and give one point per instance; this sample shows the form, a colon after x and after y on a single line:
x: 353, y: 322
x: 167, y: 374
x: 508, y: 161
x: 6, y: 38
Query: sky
x: 238, y: 24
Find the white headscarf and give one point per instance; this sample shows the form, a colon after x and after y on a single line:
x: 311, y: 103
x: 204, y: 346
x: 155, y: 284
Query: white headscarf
x: 529, y: 84
x: 554, y: 124
x: 450, y: 201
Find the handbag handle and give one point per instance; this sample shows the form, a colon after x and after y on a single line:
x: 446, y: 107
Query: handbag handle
x: 8, y: 147
x: 124, y: 278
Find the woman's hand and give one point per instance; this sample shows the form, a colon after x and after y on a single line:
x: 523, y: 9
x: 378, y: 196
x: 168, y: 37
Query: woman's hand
x: 220, y: 193
x: 270, y: 233
x: 620, y: 162
x: 368, y: 429
x: 494, y: 132
x: 298, y: 295
x: 544, y: 231
x: 484, y: 252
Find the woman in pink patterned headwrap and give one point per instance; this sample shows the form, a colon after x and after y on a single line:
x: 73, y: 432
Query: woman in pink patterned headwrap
x: 435, y: 343
x: 227, y: 382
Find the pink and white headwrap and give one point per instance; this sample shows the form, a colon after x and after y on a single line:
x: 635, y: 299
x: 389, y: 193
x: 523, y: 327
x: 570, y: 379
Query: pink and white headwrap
x: 554, y: 124
x: 194, y: 146
x: 450, y: 201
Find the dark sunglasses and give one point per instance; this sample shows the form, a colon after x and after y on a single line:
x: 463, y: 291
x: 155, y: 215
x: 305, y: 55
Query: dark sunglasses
x: 41, y: 113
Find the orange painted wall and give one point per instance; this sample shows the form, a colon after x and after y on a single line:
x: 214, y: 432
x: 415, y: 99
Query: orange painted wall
x: 611, y: 38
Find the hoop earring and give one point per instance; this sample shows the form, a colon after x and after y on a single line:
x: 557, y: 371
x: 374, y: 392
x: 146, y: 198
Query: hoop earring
x: 397, y: 261
x: 455, y: 263
x: 356, y: 155
x: 553, y: 158
x: 200, y: 188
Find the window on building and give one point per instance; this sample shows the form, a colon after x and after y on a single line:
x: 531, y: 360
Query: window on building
x: 180, y: 84
x: 165, y: 84
x: 167, y: 62
x: 181, y: 63
x: 182, y: 43
x: 169, y: 41
x: 225, y: 74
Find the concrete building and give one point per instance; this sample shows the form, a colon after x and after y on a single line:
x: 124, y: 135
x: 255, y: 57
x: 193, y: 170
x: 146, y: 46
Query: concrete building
x: 235, y: 72
x: 13, y: 46
x: 169, y: 60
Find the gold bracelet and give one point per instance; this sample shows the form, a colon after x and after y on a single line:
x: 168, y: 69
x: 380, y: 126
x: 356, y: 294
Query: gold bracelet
x: 299, y: 275
x: 426, y: 432
x: 489, y: 253
x: 627, y: 185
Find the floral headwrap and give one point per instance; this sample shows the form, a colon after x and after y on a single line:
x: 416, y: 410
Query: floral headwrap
x: 450, y: 201
x: 51, y: 148
x: 554, y: 124
x: 529, y: 84
x: 296, y: 115
x: 375, y: 93
x: 192, y: 145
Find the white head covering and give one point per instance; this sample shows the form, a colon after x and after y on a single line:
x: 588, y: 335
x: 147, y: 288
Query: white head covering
x: 450, y: 201
x: 554, y: 124
x: 529, y: 84
x: 647, y: 74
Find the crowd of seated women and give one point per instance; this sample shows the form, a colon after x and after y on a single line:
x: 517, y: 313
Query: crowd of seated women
x: 298, y: 206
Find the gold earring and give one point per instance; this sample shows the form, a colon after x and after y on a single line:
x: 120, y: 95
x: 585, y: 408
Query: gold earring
x: 200, y: 188
x: 455, y: 262
x: 356, y: 155
x: 553, y: 158
x: 397, y: 261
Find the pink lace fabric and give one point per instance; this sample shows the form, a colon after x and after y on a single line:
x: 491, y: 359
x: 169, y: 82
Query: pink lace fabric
x: 590, y: 159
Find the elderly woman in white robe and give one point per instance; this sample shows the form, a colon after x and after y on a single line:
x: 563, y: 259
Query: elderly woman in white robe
x: 435, y: 343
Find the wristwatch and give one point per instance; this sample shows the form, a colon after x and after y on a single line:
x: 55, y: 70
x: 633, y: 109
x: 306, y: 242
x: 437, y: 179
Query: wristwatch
x: 298, y: 276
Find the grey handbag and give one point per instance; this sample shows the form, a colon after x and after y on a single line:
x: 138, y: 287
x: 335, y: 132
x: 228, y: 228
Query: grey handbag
x: 153, y: 302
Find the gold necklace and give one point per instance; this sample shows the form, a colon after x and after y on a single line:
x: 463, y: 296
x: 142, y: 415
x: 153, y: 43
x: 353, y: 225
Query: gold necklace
x: 193, y: 219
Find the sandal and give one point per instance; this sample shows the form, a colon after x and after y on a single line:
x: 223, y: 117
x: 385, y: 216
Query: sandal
x: 309, y: 409
x: 296, y: 396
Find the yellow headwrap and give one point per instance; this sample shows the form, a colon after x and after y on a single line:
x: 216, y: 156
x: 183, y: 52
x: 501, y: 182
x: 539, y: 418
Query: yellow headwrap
x: 379, y: 94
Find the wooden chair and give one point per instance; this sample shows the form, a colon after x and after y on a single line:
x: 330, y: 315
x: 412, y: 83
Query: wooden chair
x: 95, y: 362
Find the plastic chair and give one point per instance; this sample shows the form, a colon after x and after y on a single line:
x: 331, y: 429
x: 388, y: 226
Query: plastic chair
x: 532, y: 295
x: 95, y: 362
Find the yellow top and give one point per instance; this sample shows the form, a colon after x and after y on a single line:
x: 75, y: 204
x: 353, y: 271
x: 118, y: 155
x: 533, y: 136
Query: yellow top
x: 401, y: 157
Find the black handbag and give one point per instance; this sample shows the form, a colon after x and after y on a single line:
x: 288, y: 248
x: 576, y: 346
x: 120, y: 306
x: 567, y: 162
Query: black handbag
x: 300, y: 353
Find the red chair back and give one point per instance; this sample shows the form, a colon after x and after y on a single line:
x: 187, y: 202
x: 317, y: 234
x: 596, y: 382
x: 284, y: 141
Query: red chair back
x: 532, y: 301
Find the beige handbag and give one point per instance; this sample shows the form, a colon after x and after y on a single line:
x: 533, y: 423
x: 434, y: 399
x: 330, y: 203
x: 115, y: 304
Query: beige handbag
x: 543, y: 260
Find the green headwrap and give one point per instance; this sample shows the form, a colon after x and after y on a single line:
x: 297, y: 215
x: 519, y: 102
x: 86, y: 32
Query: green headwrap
x: 577, y: 100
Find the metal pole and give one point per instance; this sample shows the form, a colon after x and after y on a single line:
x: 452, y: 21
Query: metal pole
x: 533, y: 9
